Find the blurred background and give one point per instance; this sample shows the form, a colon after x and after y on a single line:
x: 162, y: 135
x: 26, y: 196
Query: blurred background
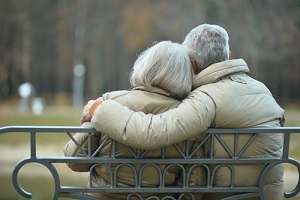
x: 55, y: 55
x: 50, y: 43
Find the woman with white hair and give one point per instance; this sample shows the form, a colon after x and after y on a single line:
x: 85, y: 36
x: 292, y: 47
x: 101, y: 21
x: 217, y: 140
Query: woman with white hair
x: 161, y: 78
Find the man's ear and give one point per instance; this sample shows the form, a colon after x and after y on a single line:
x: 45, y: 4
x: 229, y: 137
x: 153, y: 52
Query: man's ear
x: 194, y: 66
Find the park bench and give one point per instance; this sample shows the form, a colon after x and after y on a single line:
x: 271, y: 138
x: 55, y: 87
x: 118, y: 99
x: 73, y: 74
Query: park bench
x: 79, y: 192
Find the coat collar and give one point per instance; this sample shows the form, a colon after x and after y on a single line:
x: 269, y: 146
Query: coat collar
x: 152, y: 90
x: 216, y: 71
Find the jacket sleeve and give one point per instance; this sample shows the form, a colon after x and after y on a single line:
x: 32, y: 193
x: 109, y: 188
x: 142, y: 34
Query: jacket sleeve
x: 192, y: 117
x: 72, y: 150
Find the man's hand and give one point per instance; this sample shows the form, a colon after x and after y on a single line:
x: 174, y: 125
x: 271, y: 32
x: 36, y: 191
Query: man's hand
x: 89, y: 108
x: 85, y: 116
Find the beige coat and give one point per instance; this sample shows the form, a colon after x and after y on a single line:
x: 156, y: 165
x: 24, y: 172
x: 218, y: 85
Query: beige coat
x: 148, y: 100
x: 224, y: 97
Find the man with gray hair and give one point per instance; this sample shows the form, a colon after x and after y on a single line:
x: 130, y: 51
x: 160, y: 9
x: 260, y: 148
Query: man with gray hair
x: 223, y: 96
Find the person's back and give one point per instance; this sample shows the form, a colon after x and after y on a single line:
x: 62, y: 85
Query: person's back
x: 241, y: 101
x: 148, y: 100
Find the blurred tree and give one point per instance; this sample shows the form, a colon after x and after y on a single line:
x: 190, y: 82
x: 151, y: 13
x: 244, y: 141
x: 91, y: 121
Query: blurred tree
x: 65, y: 27
x: 10, y: 42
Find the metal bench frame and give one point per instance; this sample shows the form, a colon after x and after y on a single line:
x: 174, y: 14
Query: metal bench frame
x: 235, y: 157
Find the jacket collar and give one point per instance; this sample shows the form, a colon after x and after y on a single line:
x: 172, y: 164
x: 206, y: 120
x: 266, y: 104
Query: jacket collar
x: 216, y: 71
x: 152, y: 90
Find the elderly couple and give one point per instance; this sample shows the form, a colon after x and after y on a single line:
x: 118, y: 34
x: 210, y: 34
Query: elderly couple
x: 178, y: 91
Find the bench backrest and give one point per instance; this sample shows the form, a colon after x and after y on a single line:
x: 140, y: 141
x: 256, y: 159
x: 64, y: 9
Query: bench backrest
x: 138, y: 157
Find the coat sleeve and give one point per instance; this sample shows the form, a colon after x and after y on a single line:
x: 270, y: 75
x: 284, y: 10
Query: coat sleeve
x: 72, y: 150
x: 192, y: 117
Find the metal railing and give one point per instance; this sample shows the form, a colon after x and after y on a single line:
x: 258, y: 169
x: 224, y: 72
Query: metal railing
x: 235, y: 157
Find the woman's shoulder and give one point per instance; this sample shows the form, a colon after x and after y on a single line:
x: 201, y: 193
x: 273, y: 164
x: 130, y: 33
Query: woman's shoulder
x: 148, y: 101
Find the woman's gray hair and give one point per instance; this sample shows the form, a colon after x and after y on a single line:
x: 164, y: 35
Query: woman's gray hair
x: 165, y: 65
x: 207, y: 44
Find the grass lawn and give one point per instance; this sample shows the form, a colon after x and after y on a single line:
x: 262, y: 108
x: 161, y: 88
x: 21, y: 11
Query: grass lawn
x: 37, y: 179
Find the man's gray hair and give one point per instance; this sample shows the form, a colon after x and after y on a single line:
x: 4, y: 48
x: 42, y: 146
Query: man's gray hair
x: 165, y: 65
x: 207, y: 44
